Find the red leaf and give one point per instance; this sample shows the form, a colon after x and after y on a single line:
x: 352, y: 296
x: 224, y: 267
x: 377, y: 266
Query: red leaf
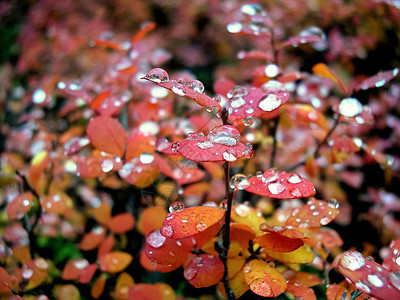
x: 276, y: 242
x: 300, y: 291
x: 296, y: 40
x: 190, y: 221
x: 5, y: 281
x: 223, y: 86
x: 98, y: 286
x: 140, y: 171
x: 19, y: 206
x: 254, y: 55
x: 74, y: 145
x: 344, y: 144
x: 221, y: 144
x: 74, y: 269
x: 315, y: 213
x: 106, y: 246
x: 93, y: 239
x: 204, y: 270
x: 87, y: 273
x: 107, y: 134
x: 282, y: 185
x: 193, y: 89
x: 166, y: 251
x: 392, y: 261
x: 138, y: 144
x: 121, y: 223
x: 377, y: 80
x: 96, y: 166
x: 143, y: 32
x: 99, y: 99
x: 369, y: 276
x: 256, y: 102
x: 114, y: 262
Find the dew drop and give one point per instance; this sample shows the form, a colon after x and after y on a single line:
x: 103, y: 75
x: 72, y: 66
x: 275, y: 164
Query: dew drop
x: 179, y: 88
x: 81, y: 264
x: 248, y: 121
x: 242, y: 210
x: 295, y: 192
x: 107, y: 165
x: 27, y: 273
x: 350, y: 107
x: 362, y: 287
x: 258, y: 27
x: 239, y: 182
x: 247, y: 268
x: 238, y: 102
x: 175, y: 146
x: 294, y: 179
x: 271, y: 70
x: 237, y: 92
x: 269, y: 103
x: 196, y: 86
x: 176, y: 207
x: 198, y: 260
x: 41, y: 263
x: 201, y: 226
x: 313, y: 30
x: 190, y: 273
x: 167, y: 231
x: 324, y: 221
x: 223, y: 204
x: 146, y: 158
x: 210, y: 109
x: 225, y: 135
x: 39, y: 96
x: 333, y: 203
x: 205, y: 145
x: 228, y: 156
x: 235, y: 27
x: 155, y: 239
x: 276, y: 188
x: 157, y: 75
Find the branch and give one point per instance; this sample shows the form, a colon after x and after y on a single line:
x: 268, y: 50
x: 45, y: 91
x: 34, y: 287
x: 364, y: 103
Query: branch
x: 274, y: 143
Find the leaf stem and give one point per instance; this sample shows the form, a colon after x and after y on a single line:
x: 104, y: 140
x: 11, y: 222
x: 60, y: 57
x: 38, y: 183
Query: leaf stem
x: 274, y: 143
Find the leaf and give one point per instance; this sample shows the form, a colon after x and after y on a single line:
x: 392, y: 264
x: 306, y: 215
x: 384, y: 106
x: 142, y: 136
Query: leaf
x: 280, y: 185
x: 152, y: 266
x: 138, y: 144
x: 369, y: 276
x: 302, y: 255
x: 114, y: 262
x: 276, y: 242
x: 203, y: 149
x: 74, y: 269
x: 98, y: 286
x: 107, y: 134
x: 108, y: 44
x: 74, y: 145
x: 69, y: 292
x: 257, y: 102
x: 151, y: 218
x: 190, y: 221
x: 181, y: 88
x: 143, y: 32
x: 19, y: 206
x: 249, y: 216
x: 204, y: 270
x: 121, y: 223
x: 38, y: 164
x: 140, y: 171
x: 124, y: 282
x: 238, y: 285
x: 314, y: 214
x: 5, y: 281
x: 391, y: 262
x: 166, y: 251
x: 344, y: 143
x: 307, y: 279
x: 93, y: 239
x: 96, y: 166
x: 101, y: 213
x: 306, y: 116
x: 300, y: 291
x: 87, y: 273
x: 99, y: 99
x: 324, y: 71
x: 254, y: 55
x: 106, y: 246
x: 242, y: 234
x: 377, y: 80
x: 296, y: 40
x: 264, y: 279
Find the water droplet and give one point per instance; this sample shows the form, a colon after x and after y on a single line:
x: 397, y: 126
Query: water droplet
x: 350, y: 107
x: 158, y: 92
x: 190, y: 273
x: 223, y: 204
x: 179, y: 87
x: 247, y: 268
x: 196, y: 86
x: 252, y: 10
x: 167, y: 231
x: 146, y: 158
x: 149, y: 127
x: 224, y: 135
x: 242, y: 210
x: 155, y: 239
x: 198, y: 260
x: 239, y: 182
x: 238, y: 102
x: 81, y: 263
x: 210, y: 109
x: 41, y: 263
x: 258, y: 27
x: 294, y: 179
x: 205, y: 145
x: 324, y: 221
x: 333, y: 203
x: 295, y: 193
x: 157, y: 75
x: 176, y: 207
x: 39, y: 96
x: 276, y: 188
x: 175, y: 146
x: 248, y: 121
x: 237, y: 92
x: 313, y: 30
x: 107, y: 165
x: 269, y: 103
x: 228, y: 156
x: 201, y: 226
x: 362, y: 287
x: 271, y: 70
x: 235, y: 27
x: 27, y: 273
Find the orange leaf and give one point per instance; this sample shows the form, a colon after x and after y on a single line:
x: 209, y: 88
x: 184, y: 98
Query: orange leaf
x: 5, y: 281
x: 190, y: 221
x: 143, y: 32
x: 307, y: 279
x: 101, y: 213
x: 99, y: 99
x: 300, y: 291
x: 204, y: 270
x: 19, y: 206
x: 93, y: 239
x: 106, y: 246
x: 264, y: 280
x: 107, y: 134
x: 151, y: 218
x: 238, y: 285
x: 114, y: 262
x: 324, y: 71
x: 98, y: 286
x: 138, y: 144
x: 121, y: 223
x: 74, y: 269
x: 276, y: 242
x: 38, y: 164
x: 302, y: 255
x: 242, y: 233
x: 124, y: 282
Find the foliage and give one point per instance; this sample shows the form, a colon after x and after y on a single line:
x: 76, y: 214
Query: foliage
x: 115, y: 185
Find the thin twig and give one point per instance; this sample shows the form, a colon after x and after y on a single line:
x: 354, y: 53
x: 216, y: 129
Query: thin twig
x: 274, y: 143
x: 318, y: 147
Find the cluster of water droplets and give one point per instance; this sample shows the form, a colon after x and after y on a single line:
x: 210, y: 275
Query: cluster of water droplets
x: 251, y: 19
